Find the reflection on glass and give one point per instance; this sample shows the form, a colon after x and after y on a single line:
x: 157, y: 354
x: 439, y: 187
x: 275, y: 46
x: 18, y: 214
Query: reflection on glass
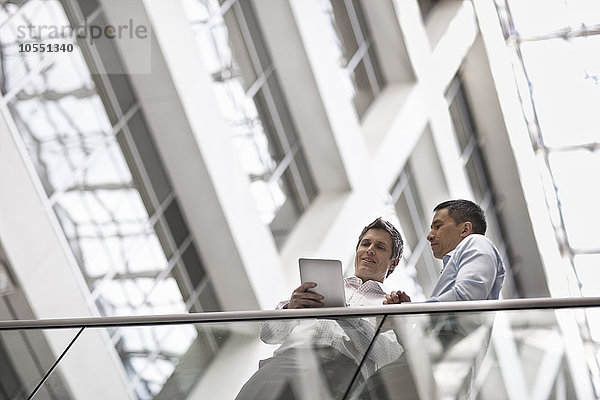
x: 319, y: 357
x: 475, y: 355
x: 152, y: 354
x: 443, y: 355
x: 25, y: 359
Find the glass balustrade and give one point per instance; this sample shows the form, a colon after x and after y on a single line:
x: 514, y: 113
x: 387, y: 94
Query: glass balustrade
x: 507, y: 350
x: 26, y: 360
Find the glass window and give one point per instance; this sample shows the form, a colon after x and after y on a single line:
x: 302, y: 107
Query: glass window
x: 565, y: 93
x: 578, y: 197
x: 528, y: 19
x: 145, y: 148
x: 253, y: 103
x: 407, y: 202
x: 556, y: 65
x: 426, y: 6
x: 350, y: 39
x: 474, y: 163
x: 88, y: 6
x: 104, y: 180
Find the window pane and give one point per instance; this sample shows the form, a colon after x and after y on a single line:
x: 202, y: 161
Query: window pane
x: 476, y: 178
x: 579, y: 195
x: 427, y: 271
x: 460, y: 128
x: 288, y: 213
x: 193, y: 265
x: 243, y: 60
x: 88, y: 6
x: 343, y: 27
x: 268, y: 121
x: 281, y: 113
x: 305, y: 174
x: 406, y: 222
x: 540, y: 16
x: 376, y: 70
x: 588, y: 270
x: 115, y: 72
x: 565, y: 90
x: 364, y: 94
x: 426, y: 6
x: 256, y: 42
x: 149, y: 156
x: 176, y: 223
x: 208, y: 299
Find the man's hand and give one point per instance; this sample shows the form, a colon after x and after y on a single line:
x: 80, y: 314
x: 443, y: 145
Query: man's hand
x: 302, y: 298
x: 396, y: 298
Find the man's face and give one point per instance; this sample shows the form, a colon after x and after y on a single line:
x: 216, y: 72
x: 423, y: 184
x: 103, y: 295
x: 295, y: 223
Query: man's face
x: 373, y: 256
x: 445, y: 233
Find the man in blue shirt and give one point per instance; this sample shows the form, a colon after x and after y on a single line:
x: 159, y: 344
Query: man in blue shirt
x: 472, y: 268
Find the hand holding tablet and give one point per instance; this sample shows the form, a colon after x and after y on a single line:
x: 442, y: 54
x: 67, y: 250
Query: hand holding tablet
x: 304, y: 297
x: 327, y: 274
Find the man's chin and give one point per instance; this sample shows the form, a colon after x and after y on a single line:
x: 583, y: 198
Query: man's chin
x: 367, y: 276
x: 363, y: 275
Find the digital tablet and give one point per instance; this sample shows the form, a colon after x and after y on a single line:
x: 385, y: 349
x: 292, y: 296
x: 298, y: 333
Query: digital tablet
x: 327, y: 274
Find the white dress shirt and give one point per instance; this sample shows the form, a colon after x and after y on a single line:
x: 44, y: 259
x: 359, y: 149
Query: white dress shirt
x: 349, y: 336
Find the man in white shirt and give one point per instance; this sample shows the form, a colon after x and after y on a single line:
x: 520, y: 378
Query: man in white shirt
x: 319, y: 357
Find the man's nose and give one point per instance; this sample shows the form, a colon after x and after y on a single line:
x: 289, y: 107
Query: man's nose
x: 370, y: 250
x: 430, y: 236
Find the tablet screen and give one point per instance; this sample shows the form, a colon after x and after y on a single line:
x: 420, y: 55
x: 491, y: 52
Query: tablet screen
x: 327, y: 274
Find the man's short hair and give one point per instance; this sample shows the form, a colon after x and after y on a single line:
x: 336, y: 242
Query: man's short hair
x: 397, y: 243
x: 465, y: 210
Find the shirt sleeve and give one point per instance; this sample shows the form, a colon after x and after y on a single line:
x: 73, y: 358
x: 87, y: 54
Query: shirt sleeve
x: 476, y: 274
x: 275, y: 332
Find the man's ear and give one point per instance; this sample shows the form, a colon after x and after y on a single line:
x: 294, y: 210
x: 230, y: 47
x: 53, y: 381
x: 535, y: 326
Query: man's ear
x: 392, y: 266
x: 467, y: 229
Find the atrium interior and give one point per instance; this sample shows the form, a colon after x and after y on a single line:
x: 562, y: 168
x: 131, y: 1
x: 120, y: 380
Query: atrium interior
x: 174, y: 157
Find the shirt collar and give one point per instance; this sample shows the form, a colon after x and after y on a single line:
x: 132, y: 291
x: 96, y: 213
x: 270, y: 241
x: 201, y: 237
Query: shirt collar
x: 355, y: 280
x: 446, y: 258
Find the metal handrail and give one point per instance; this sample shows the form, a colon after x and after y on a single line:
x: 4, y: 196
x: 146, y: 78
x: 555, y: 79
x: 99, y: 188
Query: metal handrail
x: 338, y: 312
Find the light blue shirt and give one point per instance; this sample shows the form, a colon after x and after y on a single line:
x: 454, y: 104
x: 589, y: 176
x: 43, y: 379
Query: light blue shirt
x: 472, y: 271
